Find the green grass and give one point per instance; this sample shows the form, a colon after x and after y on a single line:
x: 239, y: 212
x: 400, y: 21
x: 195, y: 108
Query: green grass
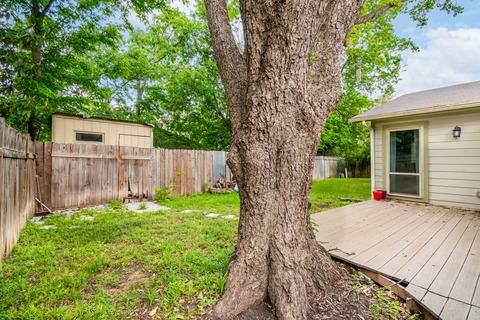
x: 215, y: 203
x: 119, y: 264
x: 126, y: 265
x: 332, y: 193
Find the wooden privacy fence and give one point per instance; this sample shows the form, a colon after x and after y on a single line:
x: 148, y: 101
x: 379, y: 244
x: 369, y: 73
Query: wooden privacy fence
x: 17, y: 185
x: 326, y: 167
x: 78, y: 175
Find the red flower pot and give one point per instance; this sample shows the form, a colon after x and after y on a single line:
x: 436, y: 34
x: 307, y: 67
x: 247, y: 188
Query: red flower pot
x: 384, y: 194
x: 378, y: 195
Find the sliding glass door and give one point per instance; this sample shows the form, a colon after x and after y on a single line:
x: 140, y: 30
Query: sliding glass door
x: 405, y: 162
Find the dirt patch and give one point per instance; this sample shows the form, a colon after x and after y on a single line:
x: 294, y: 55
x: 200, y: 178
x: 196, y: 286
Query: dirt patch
x: 384, y: 304
x: 322, y: 205
x: 135, y: 276
x: 366, y: 301
x: 145, y: 312
x: 188, y: 306
x: 259, y: 312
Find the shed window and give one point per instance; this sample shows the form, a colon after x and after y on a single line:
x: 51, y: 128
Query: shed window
x: 88, y: 137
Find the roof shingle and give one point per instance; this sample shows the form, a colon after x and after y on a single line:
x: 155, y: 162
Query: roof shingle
x: 460, y: 96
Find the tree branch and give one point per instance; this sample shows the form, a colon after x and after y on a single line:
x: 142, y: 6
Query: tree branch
x: 41, y: 13
x: 230, y: 61
x: 372, y: 15
x: 36, y: 8
x: 47, y: 8
x: 218, y: 109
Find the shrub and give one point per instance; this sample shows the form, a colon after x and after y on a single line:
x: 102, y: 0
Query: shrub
x: 162, y: 194
x: 142, y: 206
x: 205, y: 187
x: 115, y: 204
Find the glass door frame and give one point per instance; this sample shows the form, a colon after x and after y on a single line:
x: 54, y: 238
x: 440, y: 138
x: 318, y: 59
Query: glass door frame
x: 421, y: 161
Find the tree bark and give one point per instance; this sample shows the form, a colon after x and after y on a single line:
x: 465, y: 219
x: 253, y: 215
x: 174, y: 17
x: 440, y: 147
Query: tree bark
x: 279, y: 92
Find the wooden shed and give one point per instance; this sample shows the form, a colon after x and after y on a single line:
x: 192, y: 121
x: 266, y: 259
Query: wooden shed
x: 425, y: 146
x: 68, y: 128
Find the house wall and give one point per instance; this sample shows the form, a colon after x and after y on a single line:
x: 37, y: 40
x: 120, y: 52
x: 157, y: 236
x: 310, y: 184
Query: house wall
x: 115, y: 132
x: 452, y: 165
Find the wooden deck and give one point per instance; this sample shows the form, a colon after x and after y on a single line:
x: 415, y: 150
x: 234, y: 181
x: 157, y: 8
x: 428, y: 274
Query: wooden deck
x: 434, y: 251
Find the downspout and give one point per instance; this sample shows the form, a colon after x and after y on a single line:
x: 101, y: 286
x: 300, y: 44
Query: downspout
x: 372, y: 158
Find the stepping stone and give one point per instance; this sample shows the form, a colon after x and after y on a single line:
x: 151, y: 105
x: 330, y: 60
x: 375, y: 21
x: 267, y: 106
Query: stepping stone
x: 230, y: 217
x: 189, y: 211
x: 87, y: 218
x: 48, y: 227
x: 38, y: 220
x: 150, y: 207
x: 212, y: 215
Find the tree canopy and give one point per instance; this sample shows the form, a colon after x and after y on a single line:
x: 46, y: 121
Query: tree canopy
x: 44, y: 58
x: 166, y: 76
x: 86, y: 57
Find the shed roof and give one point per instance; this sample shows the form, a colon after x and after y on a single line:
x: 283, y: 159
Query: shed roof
x: 455, y: 97
x: 66, y: 114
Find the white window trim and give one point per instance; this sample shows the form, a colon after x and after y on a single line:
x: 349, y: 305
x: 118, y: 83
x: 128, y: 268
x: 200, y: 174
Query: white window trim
x: 420, y: 173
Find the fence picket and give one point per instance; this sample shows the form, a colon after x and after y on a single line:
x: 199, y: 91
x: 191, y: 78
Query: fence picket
x: 17, y: 183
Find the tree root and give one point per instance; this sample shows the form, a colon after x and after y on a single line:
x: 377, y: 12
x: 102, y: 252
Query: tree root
x: 319, y: 290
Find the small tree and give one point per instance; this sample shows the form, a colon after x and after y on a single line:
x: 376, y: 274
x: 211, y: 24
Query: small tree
x: 45, y: 56
x: 280, y: 90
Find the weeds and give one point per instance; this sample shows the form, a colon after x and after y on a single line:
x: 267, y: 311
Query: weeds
x: 115, y: 205
x: 162, y: 194
x: 385, y: 307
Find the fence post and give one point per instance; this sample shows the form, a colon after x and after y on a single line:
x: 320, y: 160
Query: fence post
x: 2, y: 188
x: 119, y: 174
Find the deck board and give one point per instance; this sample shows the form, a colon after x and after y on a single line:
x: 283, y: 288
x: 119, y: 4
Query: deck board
x: 476, y: 295
x: 444, y: 282
x: 398, y: 248
x: 380, y: 225
x: 410, y: 250
x: 418, y: 261
x: 434, y: 265
x: 433, y: 302
x: 363, y: 221
x: 391, y: 228
x: 435, y: 250
x: 454, y: 310
x: 381, y: 253
x: 474, y: 313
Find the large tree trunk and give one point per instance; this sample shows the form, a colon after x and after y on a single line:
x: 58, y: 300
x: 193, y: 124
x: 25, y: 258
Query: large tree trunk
x: 279, y: 93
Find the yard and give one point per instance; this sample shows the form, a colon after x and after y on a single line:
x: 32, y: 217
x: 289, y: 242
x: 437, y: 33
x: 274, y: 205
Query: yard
x: 112, y: 263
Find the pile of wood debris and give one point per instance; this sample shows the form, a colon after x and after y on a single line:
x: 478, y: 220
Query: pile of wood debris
x: 223, y: 186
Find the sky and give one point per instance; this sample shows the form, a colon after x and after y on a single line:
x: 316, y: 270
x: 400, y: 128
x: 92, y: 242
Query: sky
x: 449, y: 49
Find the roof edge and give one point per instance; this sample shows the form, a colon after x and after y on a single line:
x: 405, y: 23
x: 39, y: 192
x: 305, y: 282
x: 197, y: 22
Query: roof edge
x: 361, y: 117
x: 79, y: 116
